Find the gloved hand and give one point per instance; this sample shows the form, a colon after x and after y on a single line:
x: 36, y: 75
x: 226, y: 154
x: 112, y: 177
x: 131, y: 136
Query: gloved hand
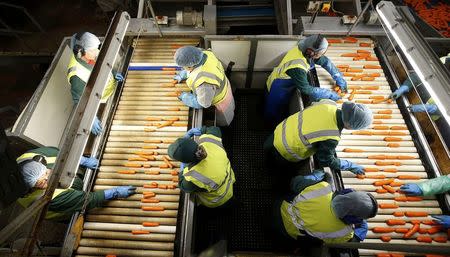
x: 430, y: 108
x: 183, y: 75
x: 399, y: 92
x: 193, y: 132
x: 182, y: 166
x: 119, y: 192
x: 96, y: 127
x: 315, y: 176
x: 323, y: 93
x: 340, y: 82
x: 444, y: 220
x: 89, y: 162
x: 361, y: 230
x: 350, y: 166
x: 119, y: 77
x: 190, y: 100
x: 411, y: 189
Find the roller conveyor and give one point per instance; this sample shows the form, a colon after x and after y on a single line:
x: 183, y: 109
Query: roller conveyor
x: 386, y: 150
x: 148, y: 118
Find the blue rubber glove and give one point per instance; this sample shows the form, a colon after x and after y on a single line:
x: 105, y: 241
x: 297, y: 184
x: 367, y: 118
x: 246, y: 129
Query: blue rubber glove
x: 182, y: 75
x: 430, y: 108
x: 96, y: 127
x: 340, y: 81
x: 399, y: 92
x: 361, y: 230
x: 411, y: 189
x: 193, y: 132
x: 190, y: 100
x: 315, y: 176
x: 444, y: 220
x: 350, y: 166
x: 323, y: 93
x: 119, y: 192
x: 119, y: 77
x: 89, y: 162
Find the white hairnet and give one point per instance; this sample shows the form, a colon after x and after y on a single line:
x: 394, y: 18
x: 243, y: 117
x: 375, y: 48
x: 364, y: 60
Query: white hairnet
x: 31, y: 172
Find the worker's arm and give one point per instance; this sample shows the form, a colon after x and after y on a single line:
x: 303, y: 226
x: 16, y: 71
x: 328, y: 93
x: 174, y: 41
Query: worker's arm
x: 189, y: 99
x: 411, y: 80
x: 187, y: 186
x: 328, y: 65
x: 205, y: 94
x: 435, y: 186
x: 300, y: 182
x: 215, y: 131
x: 300, y: 78
x: 326, y: 154
x: 76, y: 88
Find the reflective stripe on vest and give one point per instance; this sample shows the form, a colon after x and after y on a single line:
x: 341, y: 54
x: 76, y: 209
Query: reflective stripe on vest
x: 37, y: 194
x: 210, y: 72
x: 77, y: 69
x: 293, y: 59
x: 29, y: 156
x: 293, y: 138
x: 321, y: 189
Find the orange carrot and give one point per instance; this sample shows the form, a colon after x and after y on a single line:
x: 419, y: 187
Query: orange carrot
x: 334, y: 40
x: 133, y: 165
x: 162, y: 186
x: 394, y: 222
x: 150, y: 186
x: 401, y: 230
x: 429, y: 222
x: 380, y: 127
x: 434, y: 230
x: 343, y: 66
x: 440, y: 239
x: 412, y: 231
x: 137, y: 159
x: 371, y: 169
x: 150, y: 224
x: 152, y: 172
x: 391, y: 157
x: 383, y: 254
x: 166, y: 160
x: 381, y: 191
x: 369, y: 66
x: 359, y: 58
x: 153, y: 119
x: 352, y: 150
x: 156, y: 141
x: 392, y: 170
x: 382, y: 116
x: 424, y: 239
x: 376, y: 176
x: 398, y: 214
x: 385, y: 163
x: 397, y: 255
x: 414, y: 198
x: 416, y: 214
x: 126, y: 172
x: 362, y: 132
x: 389, y: 189
x: 423, y: 231
x: 383, y: 182
x: 385, y: 238
x: 370, y: 58
x: 364, y: 101
x: 365, y: 44
x: 399, y: 128
x: 152, y: 208
x: 408, y: 177
x: 350, y: 40
x: 387, y: 206
x: 401, y: 199
x: 393, y: 145
x: 149, y: 194
x: 377, y: 97
x: 151, y: 200
x: 352, y: 95
x: 363, y: 51
x: 397, y: 133
x: 367, y: 78
x: 415, y: 221
x: 382, y: 230
x: 405, y: 157
x: 150, y: 147
x: 174, y: 173
x: 172, y: 119
x: 146, y: 165
x: 154, y: 183
x: 378, y: 101
x: 175, y: 179
x: 385, y: 112
x: 354, y: 70
x: 360, y: 176
x: 396, y: 184
x: 140, y: 232
x: 170, y: 187
x: 163, y: 166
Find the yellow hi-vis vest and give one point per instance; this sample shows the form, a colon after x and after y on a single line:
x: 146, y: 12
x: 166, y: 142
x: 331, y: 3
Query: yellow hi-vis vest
x: 293, y: 138
x: 210, y: 72
x: 38, y: 193
x: 311, y: 212
x: 214, y: 173
x: 434, y: 117
x: 293, y: 59
x: 77, y: 69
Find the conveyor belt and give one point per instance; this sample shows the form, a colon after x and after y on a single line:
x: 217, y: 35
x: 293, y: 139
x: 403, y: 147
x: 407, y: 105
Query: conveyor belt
x: 386, y: 150
x: 148, y: 118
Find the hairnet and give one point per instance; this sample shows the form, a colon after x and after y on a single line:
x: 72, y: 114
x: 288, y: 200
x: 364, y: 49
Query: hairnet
x: 356, y: 116
x: 31, y: 172
x: 85, y: 41
x: 359, y: 204
x: 183, y: 150
x: 188, y: 56
x: 308, y: 42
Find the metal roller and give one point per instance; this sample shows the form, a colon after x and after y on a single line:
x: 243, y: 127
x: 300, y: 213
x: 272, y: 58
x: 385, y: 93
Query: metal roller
x: 134, y: 212
x: 127, y: 244
x: 128, y: 227
x: 124, y: 235
x: 124, y: 252
x: 124, y: 182
x: 131, y: 219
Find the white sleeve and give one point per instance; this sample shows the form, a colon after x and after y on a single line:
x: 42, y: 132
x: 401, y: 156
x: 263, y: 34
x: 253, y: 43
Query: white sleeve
x: 205, y: 94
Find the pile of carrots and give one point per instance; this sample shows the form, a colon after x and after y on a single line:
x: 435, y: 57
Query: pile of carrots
x: 436, y: 15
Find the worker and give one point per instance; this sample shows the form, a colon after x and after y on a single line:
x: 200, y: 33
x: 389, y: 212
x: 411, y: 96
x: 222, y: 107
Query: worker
x: 434, y: 186
x: 205, y: 168
x: 36, y: 167
x: 316, y: 211
x: 206, y: 78
x: 292, y: 73
x: 86, y: 48
x: 316, y: 131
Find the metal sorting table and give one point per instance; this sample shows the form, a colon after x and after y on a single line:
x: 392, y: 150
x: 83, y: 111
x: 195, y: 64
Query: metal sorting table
x: 148, y: 118
x: 386, y: 150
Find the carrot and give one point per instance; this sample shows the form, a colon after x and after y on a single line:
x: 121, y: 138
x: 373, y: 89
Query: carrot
x: 152, y: 172
x: 165, y: 124
x: 350, y: 40
x: 162, y: 186
x: 369, y: 66
x: 352, y: 95
x: 152, y: 208
x: 150, y: 224
x: 163, y: 166
x: 126, y: 172
x: 382, y: 116
x: 424, y: 239
x: 397, y: 255
x: 384, y: 163
x: 370, y: 58
x: 385, y: 238
x: 401, y: 230
x: 391, y: 157
x: 405, y: 157
x: 429, y: 222
x: 377, y: 97
x: 383, y: 182
x: 110, y: 255
x: 150, y: 147
x: 151, y: 200
x: 415, y: 221
x: 399, y: 128
x: 166, y: 160
x: 378, y: 101
x: 362, y: 132
x: 153, y: 119
x: 412, y: 231
x: 434, y: 255
x: 170, y: 187
x: 175, y: 179
x: 334, y: 40
x: 389, y: 189
x: 387, y: 205
x: 393, y: 145
x: 381, y: 191
x: 146, y: 165
x: 354, y: 70
x: 343, y: 66
x: 416, y: 214
x: 385, y: 112
x: 173, y: 109
x: 156, y: 141
x: 149, y: 194
x: 363, y: 51
x: 414, y: 198
x: 367, y: 78
x: 133, y: 165
x: 408, y: 177
x: 154, y: 183
x: 434, y: 230
x: 383, y: 254
x: 371, y: 169
x: 397, y: 133
x: 359, y: 58
x: 172, y: 119
x: 140, y: 232
x: 137, y: 159
x: 352, y: 150
x: 401, y: 199
x: 150, y: 186
x: 365, y: 44
x: 376, y: 176
x: 394, y: 222
x: 342, y: 70
x: 440, y: 239
x: 392, y: 170
x: 381, y: 127
x: 174, y: 173
x: 382, y: 230
x: 360, y: 176
x: 396, y: 184
x: 398, y: 214
x: 423, y: 230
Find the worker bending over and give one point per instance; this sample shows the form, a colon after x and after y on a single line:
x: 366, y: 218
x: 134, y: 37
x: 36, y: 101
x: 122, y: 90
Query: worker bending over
x: 317, y: 212
x: 205, y: 76
x: 205, y: 168
x: 86, y: 47
x: 434, y: 186
x: 316, y: 131
x: 292, y: 73
x: 36, y: 167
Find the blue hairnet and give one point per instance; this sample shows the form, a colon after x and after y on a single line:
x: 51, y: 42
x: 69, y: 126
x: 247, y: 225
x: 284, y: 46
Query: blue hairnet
x: 308, y: 42
x: 85, y: 40
x: 31, y: 172
x: 188, y: 56
x: 359, y: 204
x: 356, y: 116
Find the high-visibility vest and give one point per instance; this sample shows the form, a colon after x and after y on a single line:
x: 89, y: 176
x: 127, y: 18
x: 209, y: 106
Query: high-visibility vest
x: 311, y: 212
x: 77, y: 69
x: 434, y: 117
x: 214, y: 173
x: 293, y: 138
x: 29, y: 156
x: 293, y: 59
x: 210, y: 72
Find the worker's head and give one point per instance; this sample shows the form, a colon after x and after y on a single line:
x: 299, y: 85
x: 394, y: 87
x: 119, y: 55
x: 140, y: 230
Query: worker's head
x: 85, y: 45
x: 188, y: 57
x: 353, y: 206
x: 313, y: 46
x: 186, y: 150
x: 356, y: 116
x: 35, y: 174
